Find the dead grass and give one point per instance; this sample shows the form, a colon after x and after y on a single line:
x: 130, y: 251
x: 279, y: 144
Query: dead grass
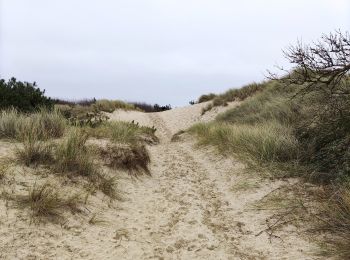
x: 5, y: 165
x: 124, y: 132
x: 134, y: 158
x: 336, y: 219
x: 72, y: 155
x: 177, y: 136
x: 34, y: 151
x: 43, y: 123
x: 46, y: 201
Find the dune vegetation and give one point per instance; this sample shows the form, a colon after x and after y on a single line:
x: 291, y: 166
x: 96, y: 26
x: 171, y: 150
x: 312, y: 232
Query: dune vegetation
x: 296, y: 125
x: 75, y: 142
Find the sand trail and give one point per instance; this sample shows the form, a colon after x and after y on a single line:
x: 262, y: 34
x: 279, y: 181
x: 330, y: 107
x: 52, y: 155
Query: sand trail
x: 187, y: 209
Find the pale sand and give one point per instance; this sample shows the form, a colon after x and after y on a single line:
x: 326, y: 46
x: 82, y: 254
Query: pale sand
x: 186, y: 210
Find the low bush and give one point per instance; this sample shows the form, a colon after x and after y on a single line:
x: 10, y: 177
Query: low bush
x: 23, y: 96
x: 148, y: 108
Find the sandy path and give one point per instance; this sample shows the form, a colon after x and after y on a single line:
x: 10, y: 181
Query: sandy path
x: 187, y: 209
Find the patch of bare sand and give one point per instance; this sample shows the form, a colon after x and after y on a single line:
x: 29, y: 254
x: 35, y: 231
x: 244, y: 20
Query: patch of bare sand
x: 186, y: 210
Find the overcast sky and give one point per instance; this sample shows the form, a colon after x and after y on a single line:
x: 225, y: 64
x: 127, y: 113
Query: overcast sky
x: 164, y: 51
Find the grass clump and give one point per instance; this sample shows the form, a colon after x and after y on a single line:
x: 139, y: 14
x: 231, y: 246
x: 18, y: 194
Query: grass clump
x: 109, y: 106
x: 134, y: 158
x: 336, y: 218
x: 34, y: 151
x: 206, y: 97
x: 72, y: 155
x: 9, y: 122
x: 232, y: 95
x: 43, y: 123
x: 265, y: 143
x: 125, y: 132
x: 4, y: 168
x: 45, y: 201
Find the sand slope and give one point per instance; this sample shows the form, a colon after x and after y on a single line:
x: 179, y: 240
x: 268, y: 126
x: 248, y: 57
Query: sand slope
x: 186, y: 210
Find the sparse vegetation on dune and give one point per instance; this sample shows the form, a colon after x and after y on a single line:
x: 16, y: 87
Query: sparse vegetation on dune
x: 134, y: 159
x: 301, y: 121
x: 125, y: 132
x: 69, y: 155
x: 231, y: 95
x: 264, y: 143
x: 46, y: 201
x: 42, y: 123
x: 109, y: 106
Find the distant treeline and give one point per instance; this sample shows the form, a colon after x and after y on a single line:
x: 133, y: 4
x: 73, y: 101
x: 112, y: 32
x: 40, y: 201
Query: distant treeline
x: 27, y: 97
x: 139, y: 105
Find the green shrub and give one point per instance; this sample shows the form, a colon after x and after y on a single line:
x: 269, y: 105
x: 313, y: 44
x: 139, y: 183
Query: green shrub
x: 22, y: 96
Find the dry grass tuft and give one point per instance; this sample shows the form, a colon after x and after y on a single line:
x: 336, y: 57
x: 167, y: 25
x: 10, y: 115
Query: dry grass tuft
x: 45, y: 201
x: 134, y: 158
x: 124, y: 132
x: 264, y: 143
x: 43, y: 123
x: 72, y: 155
x: 9, y: 123
x: 34, y: 151
x: 176, y: 136
x: 4, y: 168
x: 336, y: 219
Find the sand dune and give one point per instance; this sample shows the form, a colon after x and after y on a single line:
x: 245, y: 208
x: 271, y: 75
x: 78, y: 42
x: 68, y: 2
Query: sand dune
x: 187, y: 209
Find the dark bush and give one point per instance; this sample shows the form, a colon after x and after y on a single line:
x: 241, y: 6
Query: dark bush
x: 24, y: 96
x: 206, y: 97
x: 150, y: 108
x: 81, y: 102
